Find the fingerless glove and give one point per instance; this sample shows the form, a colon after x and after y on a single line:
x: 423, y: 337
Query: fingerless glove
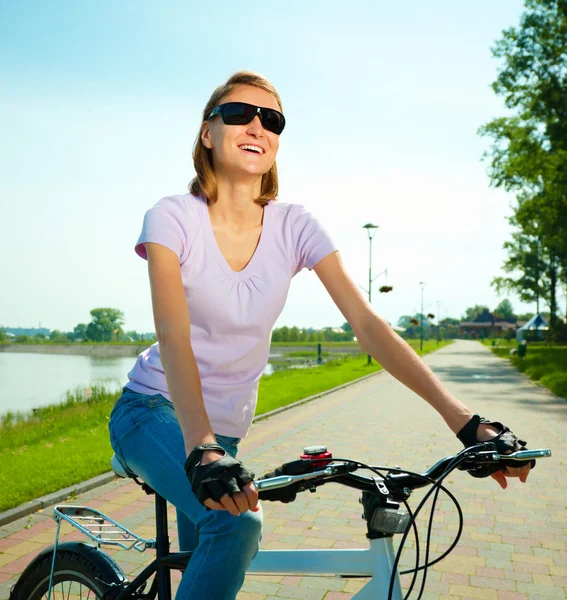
x: 226, y: 475
x: 506, y: 442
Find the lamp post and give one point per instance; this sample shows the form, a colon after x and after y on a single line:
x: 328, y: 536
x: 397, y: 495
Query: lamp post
x: 438, y: 322
x: 421, y: 283
x: 371, y: 231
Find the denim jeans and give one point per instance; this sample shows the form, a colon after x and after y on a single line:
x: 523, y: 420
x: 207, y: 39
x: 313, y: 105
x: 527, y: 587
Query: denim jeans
x: 147, y: 439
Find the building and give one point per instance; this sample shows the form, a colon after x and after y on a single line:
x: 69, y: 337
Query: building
x: 486, y: 325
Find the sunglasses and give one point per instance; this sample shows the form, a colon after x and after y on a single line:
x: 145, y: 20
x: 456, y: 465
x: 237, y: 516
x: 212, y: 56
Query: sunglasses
x: 240, y: 113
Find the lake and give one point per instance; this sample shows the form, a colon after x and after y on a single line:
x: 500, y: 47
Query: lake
x: 31, y: 380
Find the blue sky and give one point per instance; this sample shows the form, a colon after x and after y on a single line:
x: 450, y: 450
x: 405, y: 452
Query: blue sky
x: 100, y: 104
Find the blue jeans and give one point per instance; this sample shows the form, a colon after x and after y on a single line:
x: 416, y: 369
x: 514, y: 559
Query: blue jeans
x: 147, y: 439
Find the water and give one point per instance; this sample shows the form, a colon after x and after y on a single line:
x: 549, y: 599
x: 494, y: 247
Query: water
x: 31, y: 380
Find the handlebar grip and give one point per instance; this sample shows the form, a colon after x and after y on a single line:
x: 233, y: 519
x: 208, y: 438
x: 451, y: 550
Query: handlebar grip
x: 285, y: 494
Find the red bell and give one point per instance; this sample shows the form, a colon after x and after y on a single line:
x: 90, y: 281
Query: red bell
x: 317, y: 452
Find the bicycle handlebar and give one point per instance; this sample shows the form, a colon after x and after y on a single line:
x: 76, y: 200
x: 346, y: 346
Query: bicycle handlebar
x: 344, y: 472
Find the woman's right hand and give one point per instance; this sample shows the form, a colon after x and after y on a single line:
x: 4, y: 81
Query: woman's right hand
x: 240, y: 499
x: 237, y: 503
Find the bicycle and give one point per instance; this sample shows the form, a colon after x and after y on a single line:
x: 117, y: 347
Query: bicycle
x: 87, y: 569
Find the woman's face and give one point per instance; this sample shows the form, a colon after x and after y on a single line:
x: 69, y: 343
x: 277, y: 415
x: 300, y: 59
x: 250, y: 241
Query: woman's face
x: 225, y: 140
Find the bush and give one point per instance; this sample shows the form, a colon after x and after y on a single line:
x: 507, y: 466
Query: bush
x: 557, y: 334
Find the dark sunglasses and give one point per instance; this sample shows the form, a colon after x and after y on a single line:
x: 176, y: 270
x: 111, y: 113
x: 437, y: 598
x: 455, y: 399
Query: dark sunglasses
x: 240, y: 113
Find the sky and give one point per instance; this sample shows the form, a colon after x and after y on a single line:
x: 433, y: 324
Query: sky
x: 100, y: 104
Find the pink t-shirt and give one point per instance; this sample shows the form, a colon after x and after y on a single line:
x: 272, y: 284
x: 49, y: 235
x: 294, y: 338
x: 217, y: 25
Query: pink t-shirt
x: 232, y: 313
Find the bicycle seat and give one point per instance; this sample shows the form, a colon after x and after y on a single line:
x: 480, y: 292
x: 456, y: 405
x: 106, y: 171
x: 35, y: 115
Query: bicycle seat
x: 117, y: 467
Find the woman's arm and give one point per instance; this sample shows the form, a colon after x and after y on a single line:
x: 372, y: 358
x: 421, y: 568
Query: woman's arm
x: 171, y: 317
x: 378, y: 339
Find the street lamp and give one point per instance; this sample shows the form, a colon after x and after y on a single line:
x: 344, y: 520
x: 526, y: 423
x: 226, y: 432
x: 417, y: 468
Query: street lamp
x: 371, y: 231
x: 421, y: 283
x: 438, y: 321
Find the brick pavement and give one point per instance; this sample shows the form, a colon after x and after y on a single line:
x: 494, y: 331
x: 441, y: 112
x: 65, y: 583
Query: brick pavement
x: 514, y: 543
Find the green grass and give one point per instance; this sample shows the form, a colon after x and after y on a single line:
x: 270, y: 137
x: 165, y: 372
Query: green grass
x: 305, y: 354
x: 546, y: 365
x: 60, y: 445
x: 314, y: 344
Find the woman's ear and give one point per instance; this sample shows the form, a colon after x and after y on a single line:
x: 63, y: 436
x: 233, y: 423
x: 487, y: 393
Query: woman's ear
x: 206, y: 136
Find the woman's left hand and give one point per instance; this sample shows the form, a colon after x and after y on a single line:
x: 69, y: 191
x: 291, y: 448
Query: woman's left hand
x: 486, y: 433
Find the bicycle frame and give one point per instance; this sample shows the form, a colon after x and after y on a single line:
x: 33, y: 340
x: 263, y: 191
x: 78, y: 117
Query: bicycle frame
x: 375, y: 562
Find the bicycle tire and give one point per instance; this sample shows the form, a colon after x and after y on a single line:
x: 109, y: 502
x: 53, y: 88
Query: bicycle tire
x: 82, y: 575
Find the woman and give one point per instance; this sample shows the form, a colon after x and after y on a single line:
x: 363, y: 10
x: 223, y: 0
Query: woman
x: 220, y: 262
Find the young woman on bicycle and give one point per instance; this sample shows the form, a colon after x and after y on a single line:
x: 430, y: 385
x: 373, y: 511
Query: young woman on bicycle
x: 220, y: 262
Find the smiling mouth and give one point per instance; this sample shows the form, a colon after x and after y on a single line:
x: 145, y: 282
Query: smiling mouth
x: 251, y: 151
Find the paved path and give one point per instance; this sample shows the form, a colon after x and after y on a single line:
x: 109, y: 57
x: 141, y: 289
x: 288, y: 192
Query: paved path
x: 514, y: 544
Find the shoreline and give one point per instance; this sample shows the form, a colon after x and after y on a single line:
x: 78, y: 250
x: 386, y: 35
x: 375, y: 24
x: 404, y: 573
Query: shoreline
x: 101, y: 350
x: 132, y: 350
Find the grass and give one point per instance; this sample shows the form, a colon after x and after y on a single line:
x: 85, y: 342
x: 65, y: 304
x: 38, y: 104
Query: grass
x: 544, y: 364
x: 305, y: 354
x: 60, y: 445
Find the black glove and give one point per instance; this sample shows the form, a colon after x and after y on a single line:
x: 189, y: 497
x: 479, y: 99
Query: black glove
x: 226, y: 475
x: 505, y: 442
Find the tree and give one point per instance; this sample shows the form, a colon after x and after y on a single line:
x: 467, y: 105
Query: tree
x: 474, y: 311
x: 504, y: 309
x: 525, y: 316
x: 527, y: 265
x: 529, y: 152
x: 80, y: 332
x: 57, y: 337
x: 3, y: 335
x: 105, y: 322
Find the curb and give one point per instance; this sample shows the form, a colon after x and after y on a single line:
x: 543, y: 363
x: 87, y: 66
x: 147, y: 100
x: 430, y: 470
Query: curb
x: 30, y: 507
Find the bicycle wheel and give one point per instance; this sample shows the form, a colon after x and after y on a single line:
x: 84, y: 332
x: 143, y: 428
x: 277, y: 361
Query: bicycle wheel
x: 74, y: 576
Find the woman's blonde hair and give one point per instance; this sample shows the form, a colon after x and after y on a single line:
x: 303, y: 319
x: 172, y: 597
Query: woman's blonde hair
x: 205, y: 183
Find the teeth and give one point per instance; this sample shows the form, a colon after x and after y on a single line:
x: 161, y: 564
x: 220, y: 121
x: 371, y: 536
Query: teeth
x: 250, y: 147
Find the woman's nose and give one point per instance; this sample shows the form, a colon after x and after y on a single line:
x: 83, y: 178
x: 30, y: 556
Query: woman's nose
x: 255, y: 124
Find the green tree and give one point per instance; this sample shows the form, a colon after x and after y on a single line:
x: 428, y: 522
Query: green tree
x: 527, y: 266
x: 293, y: 334
x: 525, y: 316
x: 80, y: 332
x: 3, y: 335
x: 505, y: 309
x: 474, y: 311
x: 106, y: 322
x: 529, y: 152
x: 57, y: 337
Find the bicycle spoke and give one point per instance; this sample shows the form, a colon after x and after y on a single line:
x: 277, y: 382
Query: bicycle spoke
x: 76, y: 591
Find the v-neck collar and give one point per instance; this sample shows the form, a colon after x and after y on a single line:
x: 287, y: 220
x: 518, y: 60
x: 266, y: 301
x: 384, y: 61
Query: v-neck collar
x: 214, y: 247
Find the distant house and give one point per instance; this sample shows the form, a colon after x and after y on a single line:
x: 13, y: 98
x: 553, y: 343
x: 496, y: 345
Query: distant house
x: 487, y: 325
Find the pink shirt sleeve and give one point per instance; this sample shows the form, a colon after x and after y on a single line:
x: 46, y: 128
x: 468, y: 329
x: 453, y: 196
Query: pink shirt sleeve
x: 312, y: 242
x: 165, y: 223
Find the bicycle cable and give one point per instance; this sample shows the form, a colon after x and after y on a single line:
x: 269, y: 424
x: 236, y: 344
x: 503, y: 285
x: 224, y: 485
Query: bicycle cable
x: 374, y: 469
x: 436, y: 486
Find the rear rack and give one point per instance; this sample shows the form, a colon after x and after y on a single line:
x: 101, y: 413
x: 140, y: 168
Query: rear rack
x: 100, y: 528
